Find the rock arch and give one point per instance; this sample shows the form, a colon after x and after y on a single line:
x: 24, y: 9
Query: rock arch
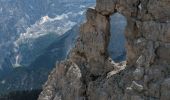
x: 89, y: 74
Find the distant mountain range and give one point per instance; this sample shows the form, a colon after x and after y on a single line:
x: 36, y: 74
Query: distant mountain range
x: 34, y: 35
x: 23, y: 18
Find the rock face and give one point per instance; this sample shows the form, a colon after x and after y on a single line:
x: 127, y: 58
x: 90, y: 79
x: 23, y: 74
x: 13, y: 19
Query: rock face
x: 89, y: 73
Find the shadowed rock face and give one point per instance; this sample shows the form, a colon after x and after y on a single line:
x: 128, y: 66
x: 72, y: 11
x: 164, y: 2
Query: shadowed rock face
x: 89, y: 73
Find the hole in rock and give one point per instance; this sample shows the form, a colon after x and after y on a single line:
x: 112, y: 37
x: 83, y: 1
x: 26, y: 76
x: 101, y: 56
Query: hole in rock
x: 116, y: 47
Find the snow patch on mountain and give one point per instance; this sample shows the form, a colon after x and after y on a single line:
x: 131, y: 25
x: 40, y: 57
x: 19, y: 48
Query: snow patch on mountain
x: 45, y: 26
x: 29, y: 43
x: 3, y: 82
x: 17, y: 64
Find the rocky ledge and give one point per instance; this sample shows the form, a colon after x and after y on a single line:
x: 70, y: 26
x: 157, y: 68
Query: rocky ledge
x: 90, y: 74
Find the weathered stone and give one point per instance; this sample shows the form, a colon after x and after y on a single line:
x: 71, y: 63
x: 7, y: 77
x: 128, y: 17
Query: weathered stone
x: 165, y: 90
x: 65, y: 79
x: 138, y: 73
x: 155, y: 31
x: 159, y: 10
x: 89, y: 74
x: 141, y: 60
x: 131, y: 54
x: 156, y: 73
x: 163, y: 52
x: 136, y: 98
x: 154, y: 90
x: 94, y: 39
x: 106, y: 7
x: 137, y: 87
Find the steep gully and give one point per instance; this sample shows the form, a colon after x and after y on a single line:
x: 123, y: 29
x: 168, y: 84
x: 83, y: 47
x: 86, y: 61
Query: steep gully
x: 89, y: 73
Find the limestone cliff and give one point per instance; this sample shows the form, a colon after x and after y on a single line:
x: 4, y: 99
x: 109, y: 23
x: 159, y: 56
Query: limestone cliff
x: 89, y: 73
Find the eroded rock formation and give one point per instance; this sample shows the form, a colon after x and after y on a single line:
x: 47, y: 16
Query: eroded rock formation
x: 89, y: 73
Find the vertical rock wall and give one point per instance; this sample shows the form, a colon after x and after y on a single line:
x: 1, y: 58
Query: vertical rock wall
x: 89, y: 74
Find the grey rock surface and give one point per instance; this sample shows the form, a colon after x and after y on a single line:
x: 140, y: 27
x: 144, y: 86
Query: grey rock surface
x: 146, y: 75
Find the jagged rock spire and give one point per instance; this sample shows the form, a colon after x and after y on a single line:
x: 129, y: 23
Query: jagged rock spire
x: 89, y: 74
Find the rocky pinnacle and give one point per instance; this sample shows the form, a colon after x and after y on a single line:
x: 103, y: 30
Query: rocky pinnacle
x: 90, y: 74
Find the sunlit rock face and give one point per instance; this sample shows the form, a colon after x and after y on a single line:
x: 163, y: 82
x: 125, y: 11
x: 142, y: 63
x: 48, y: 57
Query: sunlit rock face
x: 89, y: 74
